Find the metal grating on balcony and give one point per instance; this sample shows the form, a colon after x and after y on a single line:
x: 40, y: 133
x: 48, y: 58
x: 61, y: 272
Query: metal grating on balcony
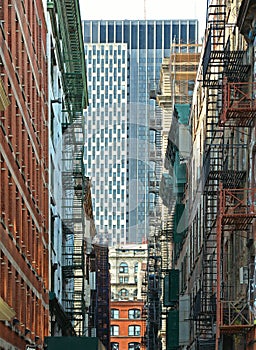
x: 74, y: 70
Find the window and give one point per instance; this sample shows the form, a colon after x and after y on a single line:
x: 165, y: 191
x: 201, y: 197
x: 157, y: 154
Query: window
x: 119, y: 33
x: 114, y: 313
x: 114, y: 330
x: 167, y: 34
x: 134, y: 36
x: 110, y: 32
x: 159, y: 36
x: 114, y: 346
x: 151, y: 36
x: 134, y: 346
x: 136, y: 268
x: 123, y: 293
x: 134, y: 330
x: 103, y: 32
x: 142, y: 36
x: 123, y: 268
x: 123, y: 279
x: 134, y: 313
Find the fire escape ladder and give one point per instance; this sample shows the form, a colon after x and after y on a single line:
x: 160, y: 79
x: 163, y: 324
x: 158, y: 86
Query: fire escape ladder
x: 154, y: 293
x: 155, y: 156
x: 214, y: 103
x: 212, y: 174
x: 213, y: 59
x: 213, y: 66
x: 73, y: 247
x: 103, y: 293
x: 165, y: 242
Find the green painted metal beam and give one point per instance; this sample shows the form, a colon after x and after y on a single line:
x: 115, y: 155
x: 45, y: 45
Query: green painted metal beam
x: 72, y: 52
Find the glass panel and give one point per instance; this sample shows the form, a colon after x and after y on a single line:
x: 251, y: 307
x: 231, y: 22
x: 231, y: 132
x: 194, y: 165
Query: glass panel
x: 192, y: 33
x: 142, y: 36
x: 150, y: 36
x: 123, y: 268
x: 87, y: 36
x: 114, y: 313
x: 175, y: 33
x: 184, y: 33
x: 110, y: 32
x: 118, y: 33
x: 134, y: 35
x: 167, y: 36
x: 134, y: 346
x: 159, y: 36
x: 95, y: 32
x: 127, y: 34
x: 103, y: 32
x: 134, y: 313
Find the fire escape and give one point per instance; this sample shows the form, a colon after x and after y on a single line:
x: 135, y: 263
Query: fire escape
x: 102, y: 295
x: 234, y: 310
x: 153, y: 302
x: 152, y: 281
x: 221, y: 159
x: 236, y: 212
x: 155, y: 158
x: 66, y: 25
x: 74, y: 244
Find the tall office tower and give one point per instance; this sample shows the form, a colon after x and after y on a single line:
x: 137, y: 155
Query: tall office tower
x: 122, y: 79
x: 106, y: 132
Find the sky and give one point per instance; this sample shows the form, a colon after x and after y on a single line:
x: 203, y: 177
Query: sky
x: 153, y: 9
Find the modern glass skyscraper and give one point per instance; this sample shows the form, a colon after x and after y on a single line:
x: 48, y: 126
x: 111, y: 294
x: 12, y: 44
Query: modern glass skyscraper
x: 123, y: 59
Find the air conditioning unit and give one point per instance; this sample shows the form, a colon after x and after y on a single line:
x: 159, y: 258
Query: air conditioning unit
x: 243, y: 275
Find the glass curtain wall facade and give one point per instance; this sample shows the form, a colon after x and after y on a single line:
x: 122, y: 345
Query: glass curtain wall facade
x: 143, y: 45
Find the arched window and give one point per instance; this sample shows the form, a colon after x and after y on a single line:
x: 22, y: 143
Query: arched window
x: 123, y: 267
x: 123, y: 293
x: 136, y: 268
x: 134, y: 346
x: 134, y: 313
x: 114, y: 330
x: 134, y: 330
x: 114, y: 346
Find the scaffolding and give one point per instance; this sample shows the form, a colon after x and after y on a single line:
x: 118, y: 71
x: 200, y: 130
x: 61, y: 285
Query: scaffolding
x: 183, y: 67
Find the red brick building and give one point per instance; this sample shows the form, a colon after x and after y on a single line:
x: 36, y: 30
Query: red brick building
x: 128, y: 325
x: 23, y: 174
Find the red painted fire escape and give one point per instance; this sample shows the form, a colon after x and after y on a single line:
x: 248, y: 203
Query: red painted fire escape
x: 236, y: 212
